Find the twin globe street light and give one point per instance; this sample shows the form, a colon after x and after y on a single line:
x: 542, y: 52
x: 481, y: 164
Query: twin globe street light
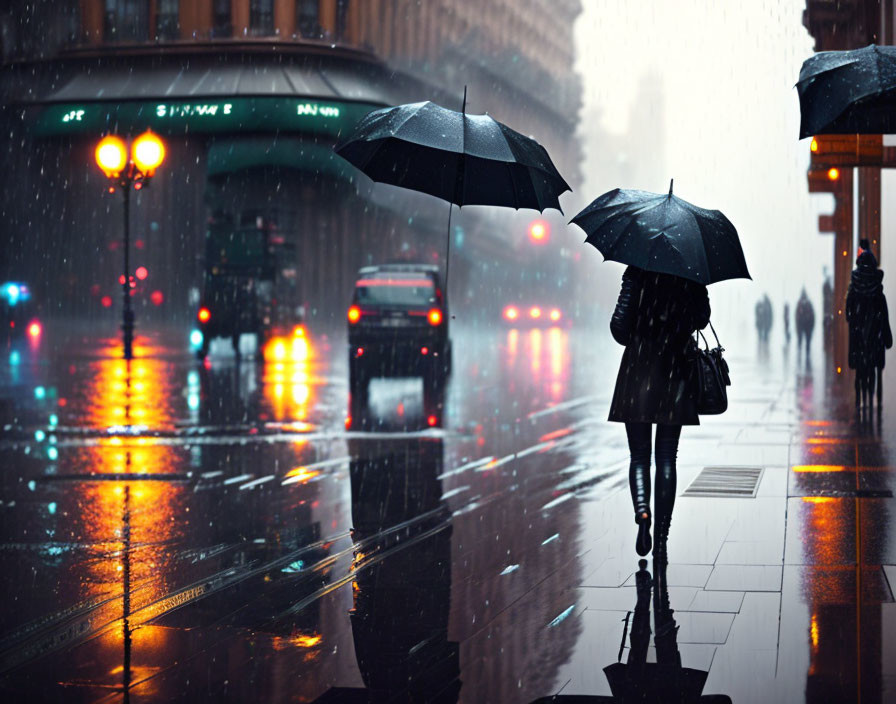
x: 146, y: 155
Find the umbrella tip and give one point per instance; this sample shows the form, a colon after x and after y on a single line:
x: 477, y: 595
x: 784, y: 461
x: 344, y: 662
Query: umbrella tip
x: 671, y: 181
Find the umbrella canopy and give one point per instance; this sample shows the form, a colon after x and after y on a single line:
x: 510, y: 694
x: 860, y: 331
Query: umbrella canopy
x: 663, y: 233
x: 464, y: 159
x: 848, y: 92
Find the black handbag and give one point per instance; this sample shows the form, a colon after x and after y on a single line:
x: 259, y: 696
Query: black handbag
x: 710, y: 376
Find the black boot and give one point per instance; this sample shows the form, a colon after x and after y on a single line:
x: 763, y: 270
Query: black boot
x: 643, y: 542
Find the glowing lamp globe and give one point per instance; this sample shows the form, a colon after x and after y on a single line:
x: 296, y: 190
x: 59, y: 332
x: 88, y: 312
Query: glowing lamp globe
x: 111, y: 155
x: 148, y: 152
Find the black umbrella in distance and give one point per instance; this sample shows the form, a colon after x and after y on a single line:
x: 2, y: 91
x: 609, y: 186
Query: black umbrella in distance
x: 663, y: 233
x: 464, y: 159
x: 848, y: 92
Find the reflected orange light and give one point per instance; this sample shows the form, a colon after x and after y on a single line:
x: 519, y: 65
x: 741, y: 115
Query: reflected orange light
x: 513, y: 338
x: 288, y: 362
x: 306, y: 641
x: 535, y: 349
x: 302, y: 474
x: 821, y: 468
x: 817, y: 499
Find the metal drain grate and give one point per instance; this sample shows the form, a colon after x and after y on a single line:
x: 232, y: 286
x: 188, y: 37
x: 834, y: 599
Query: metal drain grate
x: 729, y: 482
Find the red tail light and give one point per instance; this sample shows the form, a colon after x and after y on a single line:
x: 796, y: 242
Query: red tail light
x: 34, y: 329
x: 434, y: 316
x: 511, y: 313
x: 204, y: 315
x: 354, y: 314
x: 432, y: 420
x: 535, y: 312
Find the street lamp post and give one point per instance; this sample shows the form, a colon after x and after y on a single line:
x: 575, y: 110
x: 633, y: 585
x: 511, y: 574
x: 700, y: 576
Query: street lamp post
x: 147, y: 154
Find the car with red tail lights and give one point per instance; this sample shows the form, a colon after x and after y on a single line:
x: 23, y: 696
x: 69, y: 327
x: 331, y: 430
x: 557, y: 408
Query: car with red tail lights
x: 520, y: 315
x: 398, y: 327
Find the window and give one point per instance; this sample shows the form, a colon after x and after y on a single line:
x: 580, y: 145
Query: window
x: 168, y: 19
x: 126, y: 21
x: 341, y: 17
x: 261, y: 17
x: 222, y: 24
x: 308, y: 19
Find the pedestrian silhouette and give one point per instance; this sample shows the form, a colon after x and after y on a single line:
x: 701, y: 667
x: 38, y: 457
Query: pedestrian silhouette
x: 869, y: 326
x: 764, y: 317
x: 827, y: 307
x: 787, y: 324
x: 805, y: 322
x: 654, y: 318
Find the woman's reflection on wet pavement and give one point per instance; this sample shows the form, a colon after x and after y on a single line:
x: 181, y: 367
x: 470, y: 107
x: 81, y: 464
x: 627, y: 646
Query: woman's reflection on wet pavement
x: 637, y: 680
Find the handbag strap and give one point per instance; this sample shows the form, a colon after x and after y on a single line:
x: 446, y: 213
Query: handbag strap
x: 714, y: 334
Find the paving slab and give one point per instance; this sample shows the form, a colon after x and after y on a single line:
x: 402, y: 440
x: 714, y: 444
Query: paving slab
x: 762, y: 578
x: 716, y: 601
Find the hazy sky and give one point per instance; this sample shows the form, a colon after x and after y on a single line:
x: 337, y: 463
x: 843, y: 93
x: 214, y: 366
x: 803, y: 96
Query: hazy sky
x: 705, y: 89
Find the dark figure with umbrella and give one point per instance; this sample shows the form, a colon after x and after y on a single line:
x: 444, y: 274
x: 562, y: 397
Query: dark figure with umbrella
x: 805, y: 322
x: 673, y: 249
x: 869, y: 326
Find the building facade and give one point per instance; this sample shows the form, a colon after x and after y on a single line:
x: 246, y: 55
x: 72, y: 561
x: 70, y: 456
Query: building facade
x: 250, y: 96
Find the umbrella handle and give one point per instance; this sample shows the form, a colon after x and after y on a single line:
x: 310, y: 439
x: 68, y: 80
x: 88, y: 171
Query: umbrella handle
x: 458, y: 190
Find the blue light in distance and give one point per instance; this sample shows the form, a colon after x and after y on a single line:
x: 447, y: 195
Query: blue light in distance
x: 196, y: 338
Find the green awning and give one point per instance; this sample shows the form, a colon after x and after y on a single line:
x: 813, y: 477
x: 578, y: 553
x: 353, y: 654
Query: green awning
x: 230, y: 155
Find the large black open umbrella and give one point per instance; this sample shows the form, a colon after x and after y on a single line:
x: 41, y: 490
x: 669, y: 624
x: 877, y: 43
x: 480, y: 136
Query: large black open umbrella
x: 464, y: 159
x: 663, y: 233
x: 848, y: 92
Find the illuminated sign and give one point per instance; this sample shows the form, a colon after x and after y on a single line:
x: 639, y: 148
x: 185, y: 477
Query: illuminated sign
x: 193, y: 109
x: 315, y: 109
x: 234, y: 115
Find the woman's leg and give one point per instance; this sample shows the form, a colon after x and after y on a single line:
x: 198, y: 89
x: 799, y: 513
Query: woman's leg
x: 880, y: 387
x: 639, y: 481
x: 667, y: 437
x: 639, y: 468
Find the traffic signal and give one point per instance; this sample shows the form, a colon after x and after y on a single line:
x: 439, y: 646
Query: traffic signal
x: 539, y: 231
x: 830, y: 180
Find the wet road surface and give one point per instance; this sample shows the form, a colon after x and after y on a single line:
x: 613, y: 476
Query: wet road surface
x: 236, y: 532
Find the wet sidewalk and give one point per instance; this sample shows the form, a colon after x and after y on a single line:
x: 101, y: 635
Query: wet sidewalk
x: 782, y: 589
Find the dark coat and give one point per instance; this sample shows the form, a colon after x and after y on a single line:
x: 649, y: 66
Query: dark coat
x: 655, y: 317
x: 866, y: 314
x: 805, y: 315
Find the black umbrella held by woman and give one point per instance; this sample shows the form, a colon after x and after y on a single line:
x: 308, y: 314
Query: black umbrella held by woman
x: 464, y: 159
x: 673, y: 249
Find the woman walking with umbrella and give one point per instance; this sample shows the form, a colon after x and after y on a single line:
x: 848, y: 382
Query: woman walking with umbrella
x: 673, y: 249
